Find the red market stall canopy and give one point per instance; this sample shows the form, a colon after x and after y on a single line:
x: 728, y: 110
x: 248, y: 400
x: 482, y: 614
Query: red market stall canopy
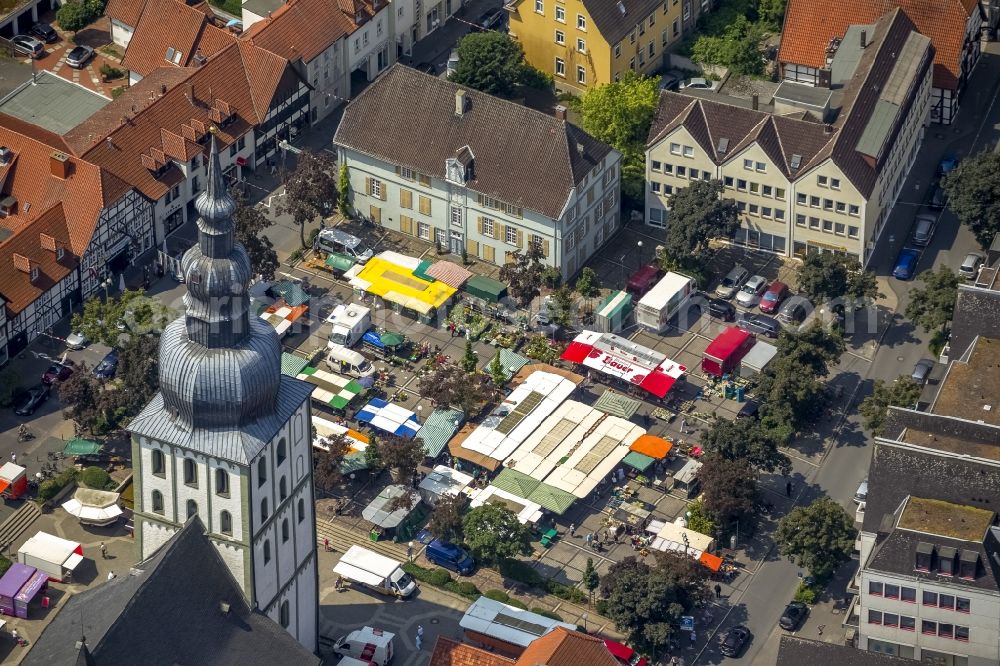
x: 614, y: 355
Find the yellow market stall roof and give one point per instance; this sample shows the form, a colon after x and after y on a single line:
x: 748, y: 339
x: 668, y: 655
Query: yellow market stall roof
x: 398, y: 284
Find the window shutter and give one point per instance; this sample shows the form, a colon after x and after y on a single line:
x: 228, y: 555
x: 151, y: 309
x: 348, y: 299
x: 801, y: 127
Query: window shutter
x: 406, y: 224
x: 520, y: 239
x: 501, y: 231
x: 424, y: 180
x: 472, y: 248
x: 545, y: 248
x: 368, y: 185
x: 480, y: 224
x: 489, y: 254
x: 480, y: 198
x: 497, y: 229
x: 405, y: 198
x: 383, y: 191
x: 432, y: 235
x: 425, y: 206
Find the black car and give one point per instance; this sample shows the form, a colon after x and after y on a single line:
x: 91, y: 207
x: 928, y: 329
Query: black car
x: 794, y: 613
x: 44, y: 32
x: 31, y: 400
x: 735, y: 640
x: 760, y: 324
x: 721, y: 309
x: 749, y: 410
x: 108, y: 366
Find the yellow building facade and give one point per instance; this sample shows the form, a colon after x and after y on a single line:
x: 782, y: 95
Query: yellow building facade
x: 587, y: 43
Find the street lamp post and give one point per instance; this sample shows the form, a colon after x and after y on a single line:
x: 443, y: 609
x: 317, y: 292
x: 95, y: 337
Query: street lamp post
x: 639, y: 255
x: 106, y: 283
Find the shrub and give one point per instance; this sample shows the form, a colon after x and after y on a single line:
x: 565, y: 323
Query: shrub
x: 544, y: 612
x: 521, y: 572
x: 806, y: 594
x: 4, y: 565
x: 565, y: 592
x: 312, y: 237
x: 51, y: 487
x: 438, y: 577
x: 497, y: 595
x: 551, y: 277
x: 602, y: 607
x: 516, y: 603
x: 95, y: 477
x: 468, y: 589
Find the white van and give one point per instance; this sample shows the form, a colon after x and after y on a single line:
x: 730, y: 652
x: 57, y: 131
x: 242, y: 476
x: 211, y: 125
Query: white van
x: 367, y: 644
x: 663, y: 301
x: 378, y: 572
x: 341, y: 242
x: 348, y: 362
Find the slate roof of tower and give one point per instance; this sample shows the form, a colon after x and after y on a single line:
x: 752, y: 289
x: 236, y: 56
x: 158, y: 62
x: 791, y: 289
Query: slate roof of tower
x: 166, y: 610
x: 523, y: 157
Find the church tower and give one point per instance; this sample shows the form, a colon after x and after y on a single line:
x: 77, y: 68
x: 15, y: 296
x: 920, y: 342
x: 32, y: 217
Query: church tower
x: 228, y: 437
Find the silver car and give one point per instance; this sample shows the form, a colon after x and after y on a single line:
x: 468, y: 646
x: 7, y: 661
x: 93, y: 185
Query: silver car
x: 732, y: 282
x: 923, y: 229
x: 922, y: 371
x: 970, y: 265
x: 749, y: 295
x: 79, y: 56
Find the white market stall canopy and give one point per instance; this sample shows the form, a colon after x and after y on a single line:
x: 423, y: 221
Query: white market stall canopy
x: 757, y: 358
x: 507, y: 623
x: 93, y: 507
x: 389, y: 417
x: 527, y: 511
x: 519, y: 415
x: 326, y: 430
x: 671, y: 537
x: 616, y: 356
x: 443, y: 481
x: 553, y: 440
x: 595, y: 456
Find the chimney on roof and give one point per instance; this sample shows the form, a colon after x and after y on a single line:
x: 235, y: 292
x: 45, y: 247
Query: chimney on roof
x: 560, y: 112
x: 755, y: 101
x: 460, y: 103
x: 828, y: 129
x: 864, y: 39
x: 579, y: 148
x: 59, y: 164
x: 190, y: 93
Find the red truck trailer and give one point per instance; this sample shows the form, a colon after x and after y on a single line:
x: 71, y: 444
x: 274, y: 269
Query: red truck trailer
x: 724, y: 353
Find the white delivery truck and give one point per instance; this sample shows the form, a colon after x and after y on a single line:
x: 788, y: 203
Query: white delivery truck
x: 350, y: 323
x: 367, y: 645
x: 663, y: 301
x: 55, y: 556
x: 380, y: 573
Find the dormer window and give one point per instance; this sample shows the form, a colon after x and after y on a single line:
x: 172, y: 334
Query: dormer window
x: 967, y: 564
x: 34, y: 273
x: 924, y: 555
x: 60, y: 253
x: 946, y: 561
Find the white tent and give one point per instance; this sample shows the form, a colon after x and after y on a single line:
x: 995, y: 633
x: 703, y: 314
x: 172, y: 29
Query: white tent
x: 529, y: 512
x: 507, y: 623
x: 594, y: 456
x: 757, y: 359
x: 443, y: 482
x: 93, y: 507
x: 553, y: 440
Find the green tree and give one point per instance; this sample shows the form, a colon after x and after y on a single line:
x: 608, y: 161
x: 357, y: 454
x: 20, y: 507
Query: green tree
x: 591, y: 579
x: 80, y: 395
x: 772, y: 12
x: 561, y: 308
x: 401, y: 456
x: 792, y: 398
x: 120, y: 317
x: 728, y: 487
x: 446, y: 518
x: 932, y: 305
x: 831, y: 276
x: 449, y: 384
x: 73, y: 16
x: 699, y: 520
x: 469, y: 359
x: 9, y: 383
x: 974, y: 195
x: 491, y: 62
x: 494, y: 533
x: 588, y: 284
x: 620, y: 114
x: 748, y: 441
x: 310, y: 190
x: 96, y: 478
x: 902, y: 392
x: 250, y: 224
x: 819, y: 537
x: 523, y: 274
x: 739, y: 48
x: 496, y: 370
x: 697, y: 215
x: 813, y: 348
x: 344, y: 191
x: 646, y: 602
x: 138, y: 377
x: 327, y: 461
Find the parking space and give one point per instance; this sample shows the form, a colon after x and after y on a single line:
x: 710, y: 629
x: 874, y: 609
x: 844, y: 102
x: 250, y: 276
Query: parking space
x: 97, y: 37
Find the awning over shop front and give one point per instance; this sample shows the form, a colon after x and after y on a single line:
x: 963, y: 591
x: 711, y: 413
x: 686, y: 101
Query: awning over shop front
x: 331, y: 389
x: 450, y: 273
x: 485, y: 288
x: 516, y: 482
x: 638, y: 461
x: 616, y: 404
x: 389, y: 418
x: 618, y: 357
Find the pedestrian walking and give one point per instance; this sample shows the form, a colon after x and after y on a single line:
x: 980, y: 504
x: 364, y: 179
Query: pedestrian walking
x: 409, y: 551
x: 684, y: 426
x: 420, y: 636
x: 718, y: 591
x: 788, y: 489
x: 104, y: 551
x: 572, y: 529
x: 111, y: 575
x: 589, y: 539
x: 621, y: 475
x: 13, y: 457
x: 693, y: 637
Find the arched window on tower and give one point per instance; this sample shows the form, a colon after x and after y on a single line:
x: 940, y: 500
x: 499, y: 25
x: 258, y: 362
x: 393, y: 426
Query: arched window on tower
x: 221, y: 482
x: 284, y: 616
x: 263, y: 510
x: 190, y: 472
x: 226, y: 523
x: 157, y: 501
x: 283, y: 489
x: 262, y: 472
x: 192, y: 508
x: 284, y: 530
x: 282, y: 450
x: 267, y: 551
x: 159, y: 463
x: 302, y: 509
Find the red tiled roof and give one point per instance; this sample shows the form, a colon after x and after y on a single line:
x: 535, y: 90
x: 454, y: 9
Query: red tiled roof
x: 125, y: 11
x: 562, y: 647
x: 811, y: 24
x: 301, y: 29
x: 452, y: 653
x: 171, y: 26
x: 149, y: 119
x: 16, y: 286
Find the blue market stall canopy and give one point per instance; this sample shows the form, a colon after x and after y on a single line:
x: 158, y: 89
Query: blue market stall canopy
x: 389, y: 418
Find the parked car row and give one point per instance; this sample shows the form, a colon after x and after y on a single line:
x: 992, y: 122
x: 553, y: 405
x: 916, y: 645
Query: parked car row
x: 40, y: 34
x: 750, y: 291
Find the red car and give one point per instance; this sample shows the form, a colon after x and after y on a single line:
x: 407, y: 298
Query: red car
x: 643, y: 280
x: 772, y: 298
x: 624, y: 654
x: 57, y: 372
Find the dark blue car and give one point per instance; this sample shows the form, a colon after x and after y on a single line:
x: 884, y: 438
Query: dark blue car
x: 108, y: 366
x: 450, y: 556
x: 906, y: 264
x: 947, y: 164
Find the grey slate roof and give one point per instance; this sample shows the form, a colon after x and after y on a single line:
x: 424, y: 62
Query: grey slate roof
x: 613, y: 23
x: 523, y: 157
x: 896, y: 554
x: 796, y: 651
x: 155, y: 422
x: 977, y: 313
x: 782, y: 137
x: 166, y: 611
